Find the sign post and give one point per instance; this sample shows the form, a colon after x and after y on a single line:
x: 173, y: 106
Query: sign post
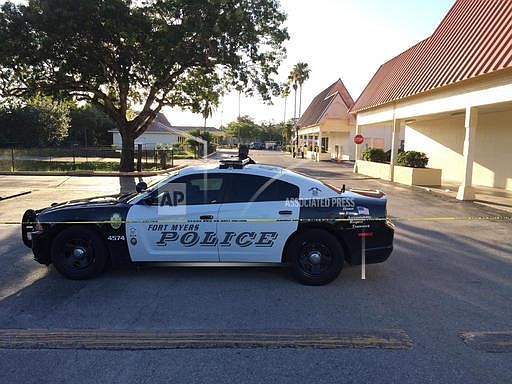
x: 359, y: 139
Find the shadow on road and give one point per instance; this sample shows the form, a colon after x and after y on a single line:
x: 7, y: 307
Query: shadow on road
x: 432, y: 272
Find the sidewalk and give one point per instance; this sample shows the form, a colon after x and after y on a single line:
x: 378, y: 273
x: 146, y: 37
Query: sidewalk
x: 496, y: 198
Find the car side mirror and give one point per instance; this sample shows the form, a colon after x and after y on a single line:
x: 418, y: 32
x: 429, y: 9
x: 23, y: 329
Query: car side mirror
x: 141, y: 187
x: 149, y: 200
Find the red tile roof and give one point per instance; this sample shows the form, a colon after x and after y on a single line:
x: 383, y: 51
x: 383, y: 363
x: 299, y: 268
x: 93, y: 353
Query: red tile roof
x: 474, y: 38
x: 321, y: 102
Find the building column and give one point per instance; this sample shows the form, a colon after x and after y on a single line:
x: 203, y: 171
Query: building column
x: 466, y: 191
x: 395, y: 144
x: 357, y: 155
x: 319, y: 144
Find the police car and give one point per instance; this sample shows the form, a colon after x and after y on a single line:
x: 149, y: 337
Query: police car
x: 227, y: 213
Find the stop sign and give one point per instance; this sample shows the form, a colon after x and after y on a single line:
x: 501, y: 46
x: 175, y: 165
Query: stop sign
x: 358, y: 139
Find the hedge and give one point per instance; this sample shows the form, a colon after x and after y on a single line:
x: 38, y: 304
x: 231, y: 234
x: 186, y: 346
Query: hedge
x: 412, y: 159
x: 374, y: 154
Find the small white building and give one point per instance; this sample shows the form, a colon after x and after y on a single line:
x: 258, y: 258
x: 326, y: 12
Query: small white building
x: 161, y: 132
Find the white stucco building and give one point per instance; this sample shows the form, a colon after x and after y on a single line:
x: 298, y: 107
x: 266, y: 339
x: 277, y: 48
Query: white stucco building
x: 162, y: 132
x: 451, y: 96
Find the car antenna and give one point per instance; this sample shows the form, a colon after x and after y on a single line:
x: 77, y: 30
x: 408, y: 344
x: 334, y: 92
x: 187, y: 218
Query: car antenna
x: 343, y: 189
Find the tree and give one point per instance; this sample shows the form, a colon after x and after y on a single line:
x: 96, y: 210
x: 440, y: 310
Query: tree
x: 285, y: 129
x: 292, y: 79
x: 298, y: 75
x: 197, y: 147
x: 244, y: 128
x: 40, y: 122
x: 285, y: 92
x: 90, y: 126
x: 118, y: 54
x: 301, y: 73
x: 207, y: 112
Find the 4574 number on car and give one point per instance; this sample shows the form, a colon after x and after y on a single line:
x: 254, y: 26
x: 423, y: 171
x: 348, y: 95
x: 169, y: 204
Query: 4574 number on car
x: 116, y: 238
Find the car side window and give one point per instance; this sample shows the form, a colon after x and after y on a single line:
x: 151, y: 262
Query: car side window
x: 194, y: 189
x: 246, y: 188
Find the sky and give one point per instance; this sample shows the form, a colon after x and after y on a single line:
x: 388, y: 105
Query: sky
x: 347, y: 39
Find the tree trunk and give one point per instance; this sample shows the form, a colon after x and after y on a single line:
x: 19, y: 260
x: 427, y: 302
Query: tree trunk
x: 295, y: 121
x: 295, y: 104
x: 127, y: 153
x: 300, y: 100
x: 284, y: 116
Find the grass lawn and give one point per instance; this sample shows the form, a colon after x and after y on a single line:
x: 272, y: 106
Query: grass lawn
x: 35, y: 165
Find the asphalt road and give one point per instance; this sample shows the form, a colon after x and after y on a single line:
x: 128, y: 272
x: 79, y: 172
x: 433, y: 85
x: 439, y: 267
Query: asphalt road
x: 444, y: 278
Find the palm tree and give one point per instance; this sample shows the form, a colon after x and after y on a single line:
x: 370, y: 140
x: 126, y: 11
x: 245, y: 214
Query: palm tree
x: 285, y: 92
x: 298, y: 75
x: 293, y: 80
x: 302, y: 70
x: 207, y: 112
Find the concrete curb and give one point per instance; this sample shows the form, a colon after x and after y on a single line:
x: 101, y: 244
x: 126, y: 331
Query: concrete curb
x: 93, y: 173
x: 453, y: 196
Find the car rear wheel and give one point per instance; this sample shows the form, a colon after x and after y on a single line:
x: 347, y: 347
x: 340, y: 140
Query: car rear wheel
x: 316, y: 257
x: 79, y: 253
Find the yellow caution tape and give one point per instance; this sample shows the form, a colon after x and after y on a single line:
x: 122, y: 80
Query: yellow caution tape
x: 351, y: 219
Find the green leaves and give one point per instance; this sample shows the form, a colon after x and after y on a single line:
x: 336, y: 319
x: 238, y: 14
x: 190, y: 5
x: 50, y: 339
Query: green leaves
x: 114, y: 52
x: 412, y: 159
x: 122, y: 54
x: 41, y: 122
x: 248, y: 130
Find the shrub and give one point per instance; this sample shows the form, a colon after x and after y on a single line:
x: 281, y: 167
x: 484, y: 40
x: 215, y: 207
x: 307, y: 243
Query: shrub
x: 412, y: 159
x: 374, y: 154
x: 388, y: 154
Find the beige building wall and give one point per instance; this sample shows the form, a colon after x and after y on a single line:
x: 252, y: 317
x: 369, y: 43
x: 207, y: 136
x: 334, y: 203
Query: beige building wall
x: 341, y: 134
x: 443, y: 139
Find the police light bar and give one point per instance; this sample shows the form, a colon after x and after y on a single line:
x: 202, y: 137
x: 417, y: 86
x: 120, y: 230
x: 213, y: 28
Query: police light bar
x: 235, y: 163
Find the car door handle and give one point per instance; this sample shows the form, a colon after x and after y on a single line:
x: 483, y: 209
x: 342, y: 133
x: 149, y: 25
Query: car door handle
x: 285, y: 212
x: 206, y: 217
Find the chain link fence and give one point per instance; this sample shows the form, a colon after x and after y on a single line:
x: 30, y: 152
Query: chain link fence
x: 75, y: 157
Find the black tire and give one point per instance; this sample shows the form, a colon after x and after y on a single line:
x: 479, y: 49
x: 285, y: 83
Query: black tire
x: 316, y: 257
x: 79, y: 253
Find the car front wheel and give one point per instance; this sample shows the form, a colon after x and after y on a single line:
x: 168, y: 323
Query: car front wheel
x: 79, y: 253
x: 316, y: 257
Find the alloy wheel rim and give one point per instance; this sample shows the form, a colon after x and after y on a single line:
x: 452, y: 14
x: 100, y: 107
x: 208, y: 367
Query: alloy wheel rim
x: 315, y: 259
x: 78, y: 254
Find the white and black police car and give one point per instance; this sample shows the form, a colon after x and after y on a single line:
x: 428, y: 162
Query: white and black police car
x: 231, y: 212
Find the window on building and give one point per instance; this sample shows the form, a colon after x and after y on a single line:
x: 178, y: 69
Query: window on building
x: 375, y: 142
x: 325, y: 144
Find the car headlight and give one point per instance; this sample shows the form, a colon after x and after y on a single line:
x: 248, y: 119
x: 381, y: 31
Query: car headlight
x: 38, y: 226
